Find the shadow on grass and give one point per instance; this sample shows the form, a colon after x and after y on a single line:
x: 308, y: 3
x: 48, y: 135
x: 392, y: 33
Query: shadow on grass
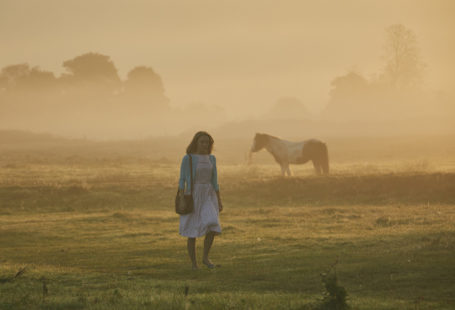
x: 426, y: 188
x: 348, y: 189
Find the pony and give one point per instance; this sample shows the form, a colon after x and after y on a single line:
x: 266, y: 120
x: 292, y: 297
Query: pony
x: 286, y: 152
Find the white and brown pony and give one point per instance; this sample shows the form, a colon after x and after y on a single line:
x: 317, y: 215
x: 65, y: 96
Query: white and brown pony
x: 287, y: 152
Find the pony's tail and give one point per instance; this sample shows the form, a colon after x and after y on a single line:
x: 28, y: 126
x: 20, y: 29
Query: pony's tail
x: 325, y: 159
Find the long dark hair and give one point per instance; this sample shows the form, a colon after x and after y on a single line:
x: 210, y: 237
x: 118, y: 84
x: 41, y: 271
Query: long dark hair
x: 193, y: 145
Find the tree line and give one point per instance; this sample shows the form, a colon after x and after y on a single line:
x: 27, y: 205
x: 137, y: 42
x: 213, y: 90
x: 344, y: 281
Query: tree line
x: 90, y: 95
x: 91, y: 74
x: 388, y: 93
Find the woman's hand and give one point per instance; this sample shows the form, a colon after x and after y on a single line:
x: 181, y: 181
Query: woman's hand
x: 220, y: 205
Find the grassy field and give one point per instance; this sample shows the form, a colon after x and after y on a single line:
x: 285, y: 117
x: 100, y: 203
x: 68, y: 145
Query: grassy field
x: 105, y: 236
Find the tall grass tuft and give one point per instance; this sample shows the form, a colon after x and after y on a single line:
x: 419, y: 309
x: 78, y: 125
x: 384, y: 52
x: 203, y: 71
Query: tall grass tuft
x: 335, y: 295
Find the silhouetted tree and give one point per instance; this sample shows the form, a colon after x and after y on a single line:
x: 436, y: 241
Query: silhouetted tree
x: 348, y: 95
x: 403, y: 65
x: 21, y: 77
x: 145, y: 86
x: 92, y: 70
x: 344, y: 87
x: 11, y: 75
x: 144, y: 79
x: 288, y: 108
x: 39, y: 80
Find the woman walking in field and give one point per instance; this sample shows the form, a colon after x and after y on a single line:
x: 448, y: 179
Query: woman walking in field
x: 203, y: 221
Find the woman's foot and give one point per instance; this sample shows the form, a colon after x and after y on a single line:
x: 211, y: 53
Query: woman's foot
x: 209, y: 264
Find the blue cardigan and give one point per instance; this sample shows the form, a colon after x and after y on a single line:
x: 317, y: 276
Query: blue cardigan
x: 185, y: 176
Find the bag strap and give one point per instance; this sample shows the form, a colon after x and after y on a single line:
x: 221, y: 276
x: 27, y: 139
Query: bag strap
x: 191, y: 173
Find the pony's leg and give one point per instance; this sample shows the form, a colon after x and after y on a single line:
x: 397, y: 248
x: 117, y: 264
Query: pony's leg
x: 283, y: 170
x: 317, y: 167
x: 288, y: 171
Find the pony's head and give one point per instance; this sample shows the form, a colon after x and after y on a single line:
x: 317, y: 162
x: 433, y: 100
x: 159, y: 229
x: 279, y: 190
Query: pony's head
x: 259, y: 142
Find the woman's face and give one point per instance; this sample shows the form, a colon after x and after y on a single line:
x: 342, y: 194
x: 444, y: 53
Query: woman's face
x: 203, y: 143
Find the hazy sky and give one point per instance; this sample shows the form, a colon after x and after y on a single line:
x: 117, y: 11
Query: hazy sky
x: 242, y: 55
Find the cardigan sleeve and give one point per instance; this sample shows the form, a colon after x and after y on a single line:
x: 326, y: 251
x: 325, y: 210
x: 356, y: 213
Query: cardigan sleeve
x: 183, y: 167
x: 215, y: 175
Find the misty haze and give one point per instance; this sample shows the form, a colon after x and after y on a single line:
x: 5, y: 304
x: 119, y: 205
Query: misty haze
x: 332, y: 125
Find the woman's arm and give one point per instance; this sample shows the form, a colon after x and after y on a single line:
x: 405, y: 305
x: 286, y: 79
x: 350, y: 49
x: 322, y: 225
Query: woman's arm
x: 182, y: 173
x: 215, y: 184
x: 215, y: 175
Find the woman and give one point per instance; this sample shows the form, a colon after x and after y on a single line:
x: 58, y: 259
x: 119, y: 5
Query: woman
x: 203, y: 221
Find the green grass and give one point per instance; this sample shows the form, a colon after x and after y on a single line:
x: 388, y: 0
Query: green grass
x: 106, y: 237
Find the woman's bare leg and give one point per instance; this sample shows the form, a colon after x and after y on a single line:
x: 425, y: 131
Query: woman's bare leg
x: 208, y: 241
x: 192, y: 251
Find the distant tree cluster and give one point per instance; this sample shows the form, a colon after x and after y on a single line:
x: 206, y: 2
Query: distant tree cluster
x: 89, y: 94
x: 92, y: 74
x: 90, y: 99
x: 395, y: 93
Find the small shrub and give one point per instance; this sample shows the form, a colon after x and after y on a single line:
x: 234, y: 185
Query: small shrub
x: 335, y: 296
